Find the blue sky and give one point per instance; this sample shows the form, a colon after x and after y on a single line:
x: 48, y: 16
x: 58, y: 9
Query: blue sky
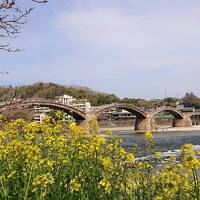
x: 133, y: 48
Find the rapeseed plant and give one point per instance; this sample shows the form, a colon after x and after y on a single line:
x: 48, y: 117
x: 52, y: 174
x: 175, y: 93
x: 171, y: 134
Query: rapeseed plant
x: 45, y: 161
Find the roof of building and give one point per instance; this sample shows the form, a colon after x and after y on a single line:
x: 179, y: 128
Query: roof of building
x: 188, y: 109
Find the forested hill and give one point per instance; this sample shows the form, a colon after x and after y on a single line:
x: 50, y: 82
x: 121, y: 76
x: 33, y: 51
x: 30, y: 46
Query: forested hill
x: 51, y: 90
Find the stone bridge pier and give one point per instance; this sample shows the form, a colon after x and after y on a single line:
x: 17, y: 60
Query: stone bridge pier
x: 185, y: 122
x: 195, y: 119
x: 141, y: 124
x: 144, y: 124
x: 89, y: 116
x: 150, y: 124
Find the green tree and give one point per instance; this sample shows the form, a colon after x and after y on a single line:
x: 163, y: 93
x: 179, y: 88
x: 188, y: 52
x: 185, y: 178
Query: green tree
x: 107, y: 99
x: 170, y: 101
x: 191, y: 100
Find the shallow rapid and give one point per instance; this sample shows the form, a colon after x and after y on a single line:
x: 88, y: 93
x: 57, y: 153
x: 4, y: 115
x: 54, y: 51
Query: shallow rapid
x: 166, y: 142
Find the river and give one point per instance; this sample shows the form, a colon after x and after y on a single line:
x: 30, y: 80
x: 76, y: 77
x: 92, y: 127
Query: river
x: 164, y: 141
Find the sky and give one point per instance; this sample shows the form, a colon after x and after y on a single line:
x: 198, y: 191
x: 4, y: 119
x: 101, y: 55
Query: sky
x: 132, y: 48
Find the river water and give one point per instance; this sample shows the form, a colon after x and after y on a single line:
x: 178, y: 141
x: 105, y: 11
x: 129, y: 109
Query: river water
x: 164, y: 141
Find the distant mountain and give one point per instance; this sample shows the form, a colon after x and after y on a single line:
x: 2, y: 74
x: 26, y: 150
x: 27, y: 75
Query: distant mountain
x: 52, y: 90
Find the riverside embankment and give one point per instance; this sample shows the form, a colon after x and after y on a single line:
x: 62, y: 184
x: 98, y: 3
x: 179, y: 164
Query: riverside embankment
x: 161, y: 129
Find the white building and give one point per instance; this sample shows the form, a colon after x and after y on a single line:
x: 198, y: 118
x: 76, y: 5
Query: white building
x: 38, y: 117
x: 40, y: 109
x: 65, y: 99
x: 40, y: 113
x: 83, y: 105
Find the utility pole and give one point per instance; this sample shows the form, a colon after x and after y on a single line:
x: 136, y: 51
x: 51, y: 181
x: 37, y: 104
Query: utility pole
x: 177, y: 95
x: 165, y: 93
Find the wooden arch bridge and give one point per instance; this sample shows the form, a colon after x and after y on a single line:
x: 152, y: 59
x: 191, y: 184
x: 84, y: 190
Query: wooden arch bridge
x: 144, y: 120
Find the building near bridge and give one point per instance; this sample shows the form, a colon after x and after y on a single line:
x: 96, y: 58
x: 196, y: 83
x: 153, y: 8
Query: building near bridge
x: 82, y: 104
x: 40, y: 113
x: 65, y: 99
x: 116, y: 117
x: 116, y: 114
x: 38, y: 117
x: 185, y: 109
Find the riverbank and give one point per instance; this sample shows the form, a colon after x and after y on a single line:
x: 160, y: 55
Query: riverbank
x: 161, y: 129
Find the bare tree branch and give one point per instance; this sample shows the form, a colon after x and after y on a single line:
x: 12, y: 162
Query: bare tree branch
x: 40, y: 1
x: 8, y: 48
x: 12, y: 19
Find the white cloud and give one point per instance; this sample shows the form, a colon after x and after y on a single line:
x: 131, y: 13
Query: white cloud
x: 146, y: 39
x: 109, y: 27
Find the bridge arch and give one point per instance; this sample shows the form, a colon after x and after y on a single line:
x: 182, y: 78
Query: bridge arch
x: 173, y: 111
x: 77, y: 114
x: 132, y: 109
x: 141, y: 116
x: 180, y: 119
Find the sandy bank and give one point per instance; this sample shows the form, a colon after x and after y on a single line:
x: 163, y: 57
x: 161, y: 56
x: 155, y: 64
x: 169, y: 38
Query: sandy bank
x: 161, y: 129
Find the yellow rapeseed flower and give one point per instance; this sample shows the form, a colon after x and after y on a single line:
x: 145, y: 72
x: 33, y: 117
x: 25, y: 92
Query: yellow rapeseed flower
x: 106, y: 185
x: 148, y: 136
